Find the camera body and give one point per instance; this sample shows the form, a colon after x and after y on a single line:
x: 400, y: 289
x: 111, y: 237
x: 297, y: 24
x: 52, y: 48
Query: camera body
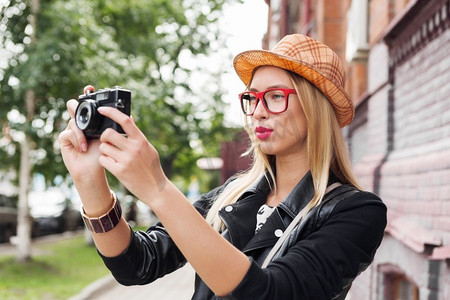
x: 90, y: 121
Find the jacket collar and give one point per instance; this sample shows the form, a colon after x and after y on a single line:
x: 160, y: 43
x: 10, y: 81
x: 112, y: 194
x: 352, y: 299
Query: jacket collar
x: 240, y: 217
x: 263, y: 185
x: 302, y: 193
x: 298, y: 198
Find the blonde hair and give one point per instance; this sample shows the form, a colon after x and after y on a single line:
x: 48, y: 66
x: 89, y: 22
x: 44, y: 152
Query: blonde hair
x: 325, y: 146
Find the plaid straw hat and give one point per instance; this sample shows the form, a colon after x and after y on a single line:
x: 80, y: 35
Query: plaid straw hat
x: 308, y: 58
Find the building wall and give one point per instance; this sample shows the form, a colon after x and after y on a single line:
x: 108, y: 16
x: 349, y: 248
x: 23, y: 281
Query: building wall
x: 408, y: 135
x: 399, y: 140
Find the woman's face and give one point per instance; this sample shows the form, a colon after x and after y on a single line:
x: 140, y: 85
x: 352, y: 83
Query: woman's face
x: 278, y: 134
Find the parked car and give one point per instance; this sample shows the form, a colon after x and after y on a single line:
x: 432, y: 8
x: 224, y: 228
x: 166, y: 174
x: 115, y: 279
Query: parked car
x: 53, y: 211
x: 8, y: 217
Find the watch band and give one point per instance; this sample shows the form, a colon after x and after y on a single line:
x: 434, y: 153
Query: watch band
x: 105, y: 222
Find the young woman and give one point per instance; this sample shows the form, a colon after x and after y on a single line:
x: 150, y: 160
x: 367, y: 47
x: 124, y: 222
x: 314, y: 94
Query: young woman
x: 295, y: 105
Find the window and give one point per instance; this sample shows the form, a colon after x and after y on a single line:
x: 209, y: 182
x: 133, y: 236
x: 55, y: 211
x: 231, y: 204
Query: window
x: 357, y: 47
x: 395, y: 285
x: 405, y: 289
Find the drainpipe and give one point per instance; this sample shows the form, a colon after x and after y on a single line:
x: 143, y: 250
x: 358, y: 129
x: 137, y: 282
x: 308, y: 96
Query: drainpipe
x: 390, y: 126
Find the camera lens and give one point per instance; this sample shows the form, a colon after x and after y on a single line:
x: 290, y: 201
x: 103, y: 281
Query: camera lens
x: 86, y: 116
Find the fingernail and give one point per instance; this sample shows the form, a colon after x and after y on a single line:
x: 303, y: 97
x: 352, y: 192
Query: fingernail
x: 83, y: 147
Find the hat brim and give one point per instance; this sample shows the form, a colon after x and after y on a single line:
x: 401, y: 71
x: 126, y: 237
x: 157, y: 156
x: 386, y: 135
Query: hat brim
x: 246, y: 62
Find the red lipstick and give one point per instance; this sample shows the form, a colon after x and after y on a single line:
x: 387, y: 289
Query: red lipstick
x: 263, y: 133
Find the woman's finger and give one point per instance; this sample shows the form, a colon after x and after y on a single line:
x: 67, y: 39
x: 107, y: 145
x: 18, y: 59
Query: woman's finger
x: 72, y: 107
x: 67, y: 138
x: 127, y: 123
x: 110, y: 150
x: 79, y: 139
x: 81, y: 142
x: 112, y: 137
x: 88, y: 89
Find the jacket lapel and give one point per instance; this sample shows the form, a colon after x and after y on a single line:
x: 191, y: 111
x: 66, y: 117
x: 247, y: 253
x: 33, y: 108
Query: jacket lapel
x: 284, y: 213
x: 239, y: 220
x: 240, y: 217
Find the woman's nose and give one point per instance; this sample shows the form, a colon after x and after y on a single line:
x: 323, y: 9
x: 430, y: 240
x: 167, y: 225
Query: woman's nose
x: 260, y: 111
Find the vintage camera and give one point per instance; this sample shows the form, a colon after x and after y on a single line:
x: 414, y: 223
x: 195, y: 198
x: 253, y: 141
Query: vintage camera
x: 90, y: 121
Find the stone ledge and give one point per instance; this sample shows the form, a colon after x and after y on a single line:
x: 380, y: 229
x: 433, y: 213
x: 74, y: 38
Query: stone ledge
x: 413, y: 235
x: 440, y: 253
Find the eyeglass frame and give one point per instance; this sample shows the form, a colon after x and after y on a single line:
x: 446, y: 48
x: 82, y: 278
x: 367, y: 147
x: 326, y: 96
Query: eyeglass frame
x: 260, y: 96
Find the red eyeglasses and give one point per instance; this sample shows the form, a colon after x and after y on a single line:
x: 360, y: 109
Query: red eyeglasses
x: 275, y: 101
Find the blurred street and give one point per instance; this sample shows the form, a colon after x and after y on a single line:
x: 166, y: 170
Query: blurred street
x: 10, y: 249
x: 176, y: 286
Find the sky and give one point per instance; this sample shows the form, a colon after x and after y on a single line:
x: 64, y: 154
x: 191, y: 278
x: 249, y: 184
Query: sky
x: 246, y: 24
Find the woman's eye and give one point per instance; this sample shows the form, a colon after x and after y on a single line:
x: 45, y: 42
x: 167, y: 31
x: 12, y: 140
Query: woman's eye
x: 277, y: 96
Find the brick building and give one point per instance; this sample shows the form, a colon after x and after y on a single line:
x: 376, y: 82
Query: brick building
x: 396, y: 54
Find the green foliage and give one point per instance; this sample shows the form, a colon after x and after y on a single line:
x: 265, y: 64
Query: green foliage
x: 139, y: 45
x: 60, y: 271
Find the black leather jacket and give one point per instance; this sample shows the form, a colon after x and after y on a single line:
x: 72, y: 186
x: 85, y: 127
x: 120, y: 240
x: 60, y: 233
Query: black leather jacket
x: 322, y: 258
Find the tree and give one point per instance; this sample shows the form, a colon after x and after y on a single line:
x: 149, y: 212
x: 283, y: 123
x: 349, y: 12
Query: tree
x: 53, y: 48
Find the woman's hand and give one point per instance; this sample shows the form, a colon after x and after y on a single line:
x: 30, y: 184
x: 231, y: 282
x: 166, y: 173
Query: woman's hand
x: 131, y: 158
x: 81, y: 159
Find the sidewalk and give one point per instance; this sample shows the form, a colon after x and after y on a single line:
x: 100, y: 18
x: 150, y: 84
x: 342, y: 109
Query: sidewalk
x: 176, y: 286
